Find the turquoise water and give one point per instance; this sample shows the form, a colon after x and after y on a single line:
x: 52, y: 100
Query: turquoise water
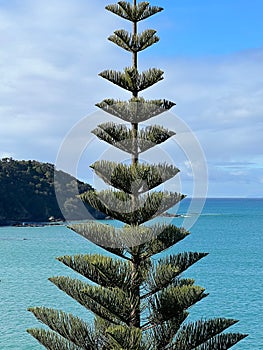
x: 229, y: 229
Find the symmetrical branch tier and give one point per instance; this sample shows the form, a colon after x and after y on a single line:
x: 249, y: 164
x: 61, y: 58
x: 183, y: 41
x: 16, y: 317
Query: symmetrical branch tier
x: 129, y: 241
x: 123, y: 207
x: 134, y: 179
x: 132, y: 80
x: 136, y: 110
x: 134, y: 42
x: 120, y: 136
x: 132, y: 13
x: 114, y: 273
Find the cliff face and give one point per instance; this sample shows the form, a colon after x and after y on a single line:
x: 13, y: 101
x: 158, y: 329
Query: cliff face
x: 27, y: 193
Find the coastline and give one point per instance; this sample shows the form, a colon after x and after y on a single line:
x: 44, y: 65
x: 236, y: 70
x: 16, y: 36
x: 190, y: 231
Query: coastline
x: 59, y: 222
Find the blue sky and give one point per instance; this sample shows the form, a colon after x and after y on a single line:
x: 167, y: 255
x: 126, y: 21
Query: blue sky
x: 212, y: 55
x: 213, y: 27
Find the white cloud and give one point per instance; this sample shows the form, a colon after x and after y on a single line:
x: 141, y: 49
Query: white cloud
x: 48, y: 67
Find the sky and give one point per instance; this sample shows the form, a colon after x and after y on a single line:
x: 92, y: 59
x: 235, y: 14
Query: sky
x: 211, y: 53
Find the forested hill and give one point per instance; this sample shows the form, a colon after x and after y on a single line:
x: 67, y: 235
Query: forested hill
x: 27, y: 193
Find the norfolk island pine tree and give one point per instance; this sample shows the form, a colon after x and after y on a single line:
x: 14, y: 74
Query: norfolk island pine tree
x: 138, y: 302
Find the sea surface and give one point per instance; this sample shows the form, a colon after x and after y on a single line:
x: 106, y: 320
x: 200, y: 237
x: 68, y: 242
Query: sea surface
x: 231, y: 230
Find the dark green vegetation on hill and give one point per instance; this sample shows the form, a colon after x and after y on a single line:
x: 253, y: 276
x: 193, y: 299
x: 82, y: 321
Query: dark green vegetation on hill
x: 27, y: 193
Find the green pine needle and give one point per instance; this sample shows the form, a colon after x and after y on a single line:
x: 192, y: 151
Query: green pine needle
x: 135, y: 110
x: 132, y: 80
x: 134, y: 179
x: 120, y: 136
x: 52, y: 341
x: 103, y: 270
x: 132, y: 13
x: 173, y: 301
x: 67, y: 326
x: 122, y: 206
x: 195, y: 334
x: 134, y: 42
x: 143, y: 241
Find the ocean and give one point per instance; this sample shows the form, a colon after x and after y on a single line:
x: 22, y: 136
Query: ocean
x: 231, y: 230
